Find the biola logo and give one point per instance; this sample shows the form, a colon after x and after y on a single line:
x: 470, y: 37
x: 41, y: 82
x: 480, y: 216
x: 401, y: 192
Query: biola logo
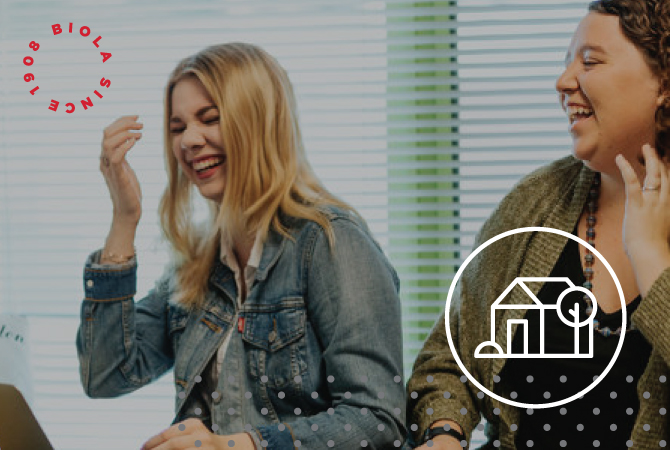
x: 84, y: 31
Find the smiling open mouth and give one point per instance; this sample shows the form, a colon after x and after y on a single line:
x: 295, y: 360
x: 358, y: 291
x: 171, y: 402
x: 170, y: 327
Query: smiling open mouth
x: 208, y: 163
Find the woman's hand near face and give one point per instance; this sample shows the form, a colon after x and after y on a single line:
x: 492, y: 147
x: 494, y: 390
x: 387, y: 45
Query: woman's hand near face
x: 646, y: 229
x: 191, y: 434
x: 124, y: 189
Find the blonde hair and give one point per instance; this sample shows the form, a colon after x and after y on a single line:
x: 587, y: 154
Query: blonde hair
x: 267, y: 172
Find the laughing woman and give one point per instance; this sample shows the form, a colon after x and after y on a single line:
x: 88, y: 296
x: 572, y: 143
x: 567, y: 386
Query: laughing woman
x: 281, y: 316
x: 613, y: 191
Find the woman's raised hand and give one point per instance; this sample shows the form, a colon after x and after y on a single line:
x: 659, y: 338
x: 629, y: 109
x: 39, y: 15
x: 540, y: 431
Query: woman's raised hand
x: 124, y: 189
x: 646, y: 229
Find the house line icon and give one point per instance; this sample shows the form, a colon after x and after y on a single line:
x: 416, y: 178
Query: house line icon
x: 522, y: 324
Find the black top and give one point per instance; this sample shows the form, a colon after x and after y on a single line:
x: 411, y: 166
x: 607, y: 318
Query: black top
x: 605, y: 414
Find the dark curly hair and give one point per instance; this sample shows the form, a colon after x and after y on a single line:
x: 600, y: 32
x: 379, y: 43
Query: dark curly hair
x: 646, y: 23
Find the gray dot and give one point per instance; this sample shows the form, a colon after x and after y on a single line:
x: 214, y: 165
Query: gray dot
x: 464, y: 378
x: 264, y: 379
x: 529, y: 411
x: 513, y: 395
x: 198, y: 378
x: 595, y: 377
x: 563, y: 443
x: 529, y: 379
x: 596, y: 443
x: 496, y: 411
x: 429, y: 411
x: 264, y: 443
x: 447, y: 395
x: 529, y: 443
x: 629, y: 443
x: 661, y: 444
x: 629, y: 411
x: 364, y: 411
x: 381, y: 395
x: 464, y: 411
x: 198, y: 443
x: 197, y: 411
x: 281, y: 394
x: 480, y: 427
x: 429, y: 443
x: 182, y: 427
x: 331, y: 411
x: 629, y: 378
x: 414, y: 394
x: 563, y: 378
x: 347, y: 394
x: 480, y: 395
x: 315, y: 427
x: 181, y: 395
x: 248, y: 427
x: 347, y: 427
x: 397, y: 443
x: 231, y: 379
x: 429, y: 378
x: 513, y: 427
x: 264, y: 411
x: 231, y: 443
x: 446, y: 427
x: 381, y: 427
x: 248, y: 395
x: 315, y: 395
x: 612, y: 395
x: 396, y: 411
x: 215, y: 395
x: 613, y: 427
x: 496, y: 379
x: 281, y: 427
x: 364, y: 378
x: 414, y: 427
x: 646, y: 427
x: 297, y: 443
x: 580, y: 427
x: 662, y: 378
x: 215, y: 427
x: 297, y: 379
x: 297, y: 411
x: 397, y: 378
x: 563, y: 411
x: 547, y: 395
x: 464, y: 443
x: 646, y: 395
x: 596, y: 411
x: 330, y: 378
x: 662, y: 411
x: 231, y: 411
x: 364, y: 443
x: 496, y: 443
x: 547, y: 427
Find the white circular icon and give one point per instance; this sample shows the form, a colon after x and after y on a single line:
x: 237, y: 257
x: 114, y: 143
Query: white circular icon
x: 596, y: 380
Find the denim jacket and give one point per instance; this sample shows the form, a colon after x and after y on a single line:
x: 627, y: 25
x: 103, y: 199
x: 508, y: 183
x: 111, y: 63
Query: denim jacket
x: 315, y: 353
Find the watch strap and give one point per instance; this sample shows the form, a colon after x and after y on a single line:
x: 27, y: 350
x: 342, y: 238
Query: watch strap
x: 447, y: 430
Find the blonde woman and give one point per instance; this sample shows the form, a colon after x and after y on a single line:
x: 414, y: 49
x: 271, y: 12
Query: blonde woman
x: 281, y: 317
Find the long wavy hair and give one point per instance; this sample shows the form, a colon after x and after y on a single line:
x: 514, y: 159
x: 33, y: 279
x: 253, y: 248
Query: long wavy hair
x: 646, y: 23
x: 268, y: 177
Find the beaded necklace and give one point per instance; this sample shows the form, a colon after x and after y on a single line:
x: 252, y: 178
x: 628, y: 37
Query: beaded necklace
x: 592, y: 207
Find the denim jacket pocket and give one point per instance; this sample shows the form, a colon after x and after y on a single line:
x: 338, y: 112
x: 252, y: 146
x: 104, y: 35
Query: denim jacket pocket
x: 275, y: 335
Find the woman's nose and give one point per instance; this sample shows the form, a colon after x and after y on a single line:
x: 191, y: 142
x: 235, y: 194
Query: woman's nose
x: 192, y: 138
x: 567, y: 81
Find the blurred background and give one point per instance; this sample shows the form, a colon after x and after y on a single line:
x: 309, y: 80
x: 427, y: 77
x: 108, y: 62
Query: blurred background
x: 421, y: 114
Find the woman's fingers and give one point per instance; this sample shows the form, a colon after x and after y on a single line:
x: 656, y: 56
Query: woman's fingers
x: 633, y: 188
x: 652, y: 179
x: 122, y: 123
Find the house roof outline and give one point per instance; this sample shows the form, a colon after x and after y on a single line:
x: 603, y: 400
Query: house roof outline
x: 521, y: 282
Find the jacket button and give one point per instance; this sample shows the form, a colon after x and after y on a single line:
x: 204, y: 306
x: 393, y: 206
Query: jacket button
x: 89, y: 283
x: 272, y: 336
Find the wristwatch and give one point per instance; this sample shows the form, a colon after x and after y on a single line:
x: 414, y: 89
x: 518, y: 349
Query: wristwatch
x: 431, y: 433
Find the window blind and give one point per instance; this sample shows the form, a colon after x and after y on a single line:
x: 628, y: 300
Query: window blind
x: 420, y: 114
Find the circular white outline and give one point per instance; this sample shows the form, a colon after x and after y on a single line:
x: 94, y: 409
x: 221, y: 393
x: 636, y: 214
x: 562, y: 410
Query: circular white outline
x: 460, y: 272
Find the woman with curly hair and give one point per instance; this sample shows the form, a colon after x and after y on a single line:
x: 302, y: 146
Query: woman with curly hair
x: 280, y: 315
x: 614, y: 192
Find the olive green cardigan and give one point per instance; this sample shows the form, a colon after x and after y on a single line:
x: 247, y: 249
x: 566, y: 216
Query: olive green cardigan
x: 553, y: 196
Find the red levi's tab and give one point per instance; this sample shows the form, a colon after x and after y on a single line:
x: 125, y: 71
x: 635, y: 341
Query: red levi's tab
x: 240, y: 324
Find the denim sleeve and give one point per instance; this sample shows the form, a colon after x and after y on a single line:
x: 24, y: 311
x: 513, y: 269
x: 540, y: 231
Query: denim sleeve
x: 121, y: 346
x: 353, y: 305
